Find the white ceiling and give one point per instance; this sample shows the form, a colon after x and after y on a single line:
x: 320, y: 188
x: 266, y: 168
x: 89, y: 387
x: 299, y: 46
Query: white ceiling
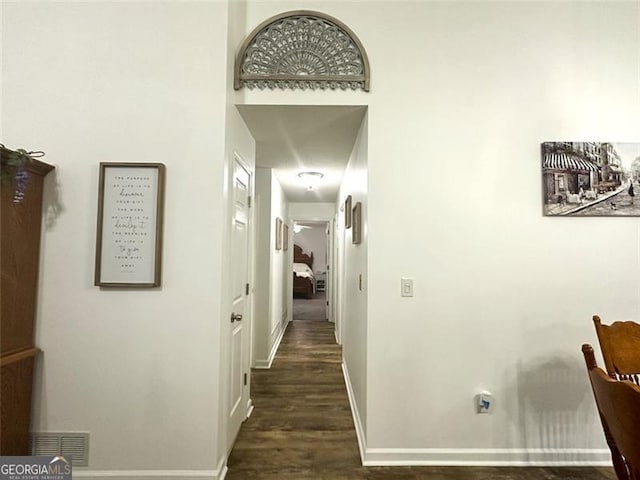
x: 292, y: 139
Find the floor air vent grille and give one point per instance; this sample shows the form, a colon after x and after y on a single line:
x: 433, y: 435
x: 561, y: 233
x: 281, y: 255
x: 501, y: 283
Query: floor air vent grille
x: 52, y: 443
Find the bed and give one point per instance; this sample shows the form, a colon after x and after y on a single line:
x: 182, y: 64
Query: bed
x: 303, y: 279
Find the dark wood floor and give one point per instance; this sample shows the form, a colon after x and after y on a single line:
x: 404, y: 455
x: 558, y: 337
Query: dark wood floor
x: 301, y: 427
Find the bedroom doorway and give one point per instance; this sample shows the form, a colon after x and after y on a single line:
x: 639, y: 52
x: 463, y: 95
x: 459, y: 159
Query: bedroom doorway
x: 311, y: 263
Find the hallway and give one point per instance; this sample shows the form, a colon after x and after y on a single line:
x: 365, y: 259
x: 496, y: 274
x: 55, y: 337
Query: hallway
x: 314, y: 308
x: 301, y: 427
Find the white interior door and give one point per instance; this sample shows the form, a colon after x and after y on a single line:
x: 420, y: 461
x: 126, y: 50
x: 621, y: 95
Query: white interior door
x: 240, y: 309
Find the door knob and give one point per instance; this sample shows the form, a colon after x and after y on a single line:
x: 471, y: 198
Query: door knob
x: 236, y: 317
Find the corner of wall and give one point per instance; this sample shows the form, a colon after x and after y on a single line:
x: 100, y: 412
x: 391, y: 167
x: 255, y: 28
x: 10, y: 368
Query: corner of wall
x: 272, y: 283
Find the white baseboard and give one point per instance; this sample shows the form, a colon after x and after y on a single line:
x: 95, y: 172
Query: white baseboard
x: 265, y: 364
x: 223, y: 472
x: 262, y: 364
x: 217, y: 474
x: 360, y: 432
x: 249, y: 409
x: 151, y: 474
x: 496, y: 457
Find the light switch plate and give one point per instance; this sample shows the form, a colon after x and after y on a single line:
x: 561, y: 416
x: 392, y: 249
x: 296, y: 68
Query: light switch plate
x: 406, y: 287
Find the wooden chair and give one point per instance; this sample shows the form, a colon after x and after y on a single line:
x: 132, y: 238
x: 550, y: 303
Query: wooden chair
x: 618, y: 403
x: 620, y: 345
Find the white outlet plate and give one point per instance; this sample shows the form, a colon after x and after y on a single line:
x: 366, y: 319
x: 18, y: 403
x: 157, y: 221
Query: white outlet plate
x: 485, y: 402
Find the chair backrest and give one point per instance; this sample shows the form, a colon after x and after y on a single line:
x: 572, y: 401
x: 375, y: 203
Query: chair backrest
x: 620, y: 345
x: 618, y: 403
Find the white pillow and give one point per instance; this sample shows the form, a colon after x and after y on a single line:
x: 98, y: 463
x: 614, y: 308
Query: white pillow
x: 301, y: 268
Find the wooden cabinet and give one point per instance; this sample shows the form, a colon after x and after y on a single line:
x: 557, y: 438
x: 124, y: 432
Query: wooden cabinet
x: 20, y: 228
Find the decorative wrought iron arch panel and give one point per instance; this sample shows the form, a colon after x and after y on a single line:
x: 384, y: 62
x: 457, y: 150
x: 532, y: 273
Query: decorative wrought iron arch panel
x: 302, y: 49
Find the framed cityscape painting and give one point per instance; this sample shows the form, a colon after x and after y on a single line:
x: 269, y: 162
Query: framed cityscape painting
x: 591, y: 179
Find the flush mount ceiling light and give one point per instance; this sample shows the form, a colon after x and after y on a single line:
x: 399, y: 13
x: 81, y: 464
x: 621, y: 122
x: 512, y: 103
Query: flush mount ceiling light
x: 311, y: 179
x: 297, y: 228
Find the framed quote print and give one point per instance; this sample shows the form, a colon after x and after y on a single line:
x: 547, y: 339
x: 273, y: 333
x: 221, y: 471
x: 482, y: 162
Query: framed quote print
x: 129, y: 233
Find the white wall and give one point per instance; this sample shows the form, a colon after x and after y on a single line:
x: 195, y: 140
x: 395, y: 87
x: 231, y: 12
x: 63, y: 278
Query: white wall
x: 125, y: 82
x: 281, y: 274
x: 239, y: 144
x: 352, y: 319
x: 272, y: 284
x: 264, y: 249
x: 314, y: 240
x: 313, y: 211
x: 503, y: 296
